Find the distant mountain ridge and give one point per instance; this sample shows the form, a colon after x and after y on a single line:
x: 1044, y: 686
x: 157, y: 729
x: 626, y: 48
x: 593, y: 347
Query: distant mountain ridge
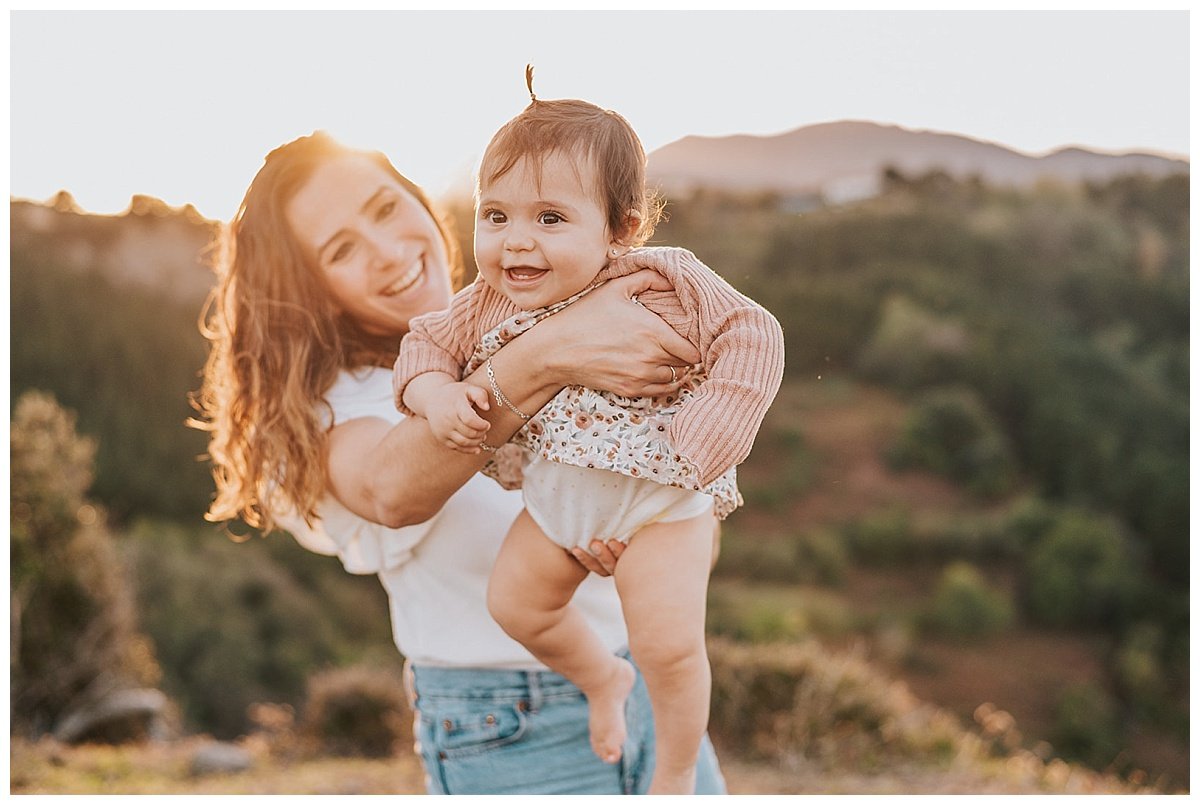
x: 151, y: 245
x: 846, y: 159
x: 167, y: 249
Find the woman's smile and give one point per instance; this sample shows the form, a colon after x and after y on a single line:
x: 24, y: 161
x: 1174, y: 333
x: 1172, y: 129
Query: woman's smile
x: 406, y: 280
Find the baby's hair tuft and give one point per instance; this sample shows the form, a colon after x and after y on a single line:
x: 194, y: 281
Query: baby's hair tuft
x: 529, y: 82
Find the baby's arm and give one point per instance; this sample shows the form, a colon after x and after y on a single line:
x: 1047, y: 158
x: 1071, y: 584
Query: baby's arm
x: 742, y: 345
x: 436, y: 342
x: 449, y: 406
x: 715, y: 429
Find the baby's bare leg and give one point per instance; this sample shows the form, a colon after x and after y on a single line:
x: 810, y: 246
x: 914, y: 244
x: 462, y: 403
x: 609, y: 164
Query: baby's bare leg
x: 663, y: 579
x: 529, y: 595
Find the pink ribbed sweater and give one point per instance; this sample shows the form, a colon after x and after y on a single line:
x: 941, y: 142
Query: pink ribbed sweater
x: 740, y: 344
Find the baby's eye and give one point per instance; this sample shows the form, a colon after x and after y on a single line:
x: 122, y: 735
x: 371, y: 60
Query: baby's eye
x: 385, y: 210
x: 494, y: 217
x: 550, y: 218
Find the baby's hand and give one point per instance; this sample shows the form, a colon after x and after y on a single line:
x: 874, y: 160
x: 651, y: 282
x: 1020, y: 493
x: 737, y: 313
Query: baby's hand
x: 453, y: 419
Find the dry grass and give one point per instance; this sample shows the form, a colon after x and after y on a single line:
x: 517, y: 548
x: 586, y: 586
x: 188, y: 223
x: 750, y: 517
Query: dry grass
x: 50, y: 768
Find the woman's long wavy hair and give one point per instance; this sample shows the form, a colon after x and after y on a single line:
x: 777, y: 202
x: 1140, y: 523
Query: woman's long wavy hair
x: 277, y: 343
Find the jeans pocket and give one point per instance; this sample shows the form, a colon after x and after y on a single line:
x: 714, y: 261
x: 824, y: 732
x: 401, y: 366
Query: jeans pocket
x: 465, y: 732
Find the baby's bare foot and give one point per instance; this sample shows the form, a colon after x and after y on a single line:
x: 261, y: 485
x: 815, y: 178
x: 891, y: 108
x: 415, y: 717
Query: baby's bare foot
x: 606, y: 711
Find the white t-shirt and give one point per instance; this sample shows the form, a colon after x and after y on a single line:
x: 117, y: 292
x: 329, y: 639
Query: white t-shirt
x: 436, y: 572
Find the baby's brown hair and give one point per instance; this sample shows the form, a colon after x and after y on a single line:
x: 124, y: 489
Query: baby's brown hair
x: 586, y: 132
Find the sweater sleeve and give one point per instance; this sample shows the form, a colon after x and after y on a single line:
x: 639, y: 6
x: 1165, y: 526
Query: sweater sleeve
x: 437, y: 342
x: 741, y: 347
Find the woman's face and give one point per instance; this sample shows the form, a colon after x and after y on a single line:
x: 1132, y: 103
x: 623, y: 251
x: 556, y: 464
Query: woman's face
x: 378, y: 248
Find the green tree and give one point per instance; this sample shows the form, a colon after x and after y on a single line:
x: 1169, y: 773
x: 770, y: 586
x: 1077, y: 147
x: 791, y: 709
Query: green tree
x: 73, y: 632
x: 1084, y: 572
x: 965, y: 605
x: 951, y: 432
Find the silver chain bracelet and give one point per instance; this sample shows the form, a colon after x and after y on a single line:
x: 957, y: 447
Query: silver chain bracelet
x: 499, y: 395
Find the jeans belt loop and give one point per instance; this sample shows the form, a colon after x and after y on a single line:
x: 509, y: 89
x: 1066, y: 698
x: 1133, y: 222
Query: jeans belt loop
x: 534, y: 679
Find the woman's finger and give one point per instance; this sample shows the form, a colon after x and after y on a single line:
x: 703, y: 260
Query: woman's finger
x: 589, y: 562
x: 668, y: 340
x: 641, y: 281
x: 616, y: 548
x: 606, y: 553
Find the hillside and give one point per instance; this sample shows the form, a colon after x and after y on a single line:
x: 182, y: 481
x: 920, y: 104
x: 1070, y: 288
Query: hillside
x: 844, y: 160
x: 974, y: 482
x: 150, y: 247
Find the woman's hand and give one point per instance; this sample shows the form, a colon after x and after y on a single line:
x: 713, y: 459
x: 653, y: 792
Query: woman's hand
x: 608, y: 341
x: 602, y: 560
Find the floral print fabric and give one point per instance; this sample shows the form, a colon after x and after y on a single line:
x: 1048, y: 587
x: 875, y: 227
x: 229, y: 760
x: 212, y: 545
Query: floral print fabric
x: 597, y: 429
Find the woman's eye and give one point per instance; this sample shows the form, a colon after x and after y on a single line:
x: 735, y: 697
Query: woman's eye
x: 385, y: 210
x: 550, y: 218
x: 340, y: 253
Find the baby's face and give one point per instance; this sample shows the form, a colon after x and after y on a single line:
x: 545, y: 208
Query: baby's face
x: 540, y: 242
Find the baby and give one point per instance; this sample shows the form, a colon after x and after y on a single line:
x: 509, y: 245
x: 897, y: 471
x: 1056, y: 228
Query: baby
x: 561, y: 202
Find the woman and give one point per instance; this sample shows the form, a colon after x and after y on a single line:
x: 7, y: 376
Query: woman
x: 330, y: 255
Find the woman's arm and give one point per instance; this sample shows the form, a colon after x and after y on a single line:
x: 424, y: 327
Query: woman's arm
x: 399, y: 474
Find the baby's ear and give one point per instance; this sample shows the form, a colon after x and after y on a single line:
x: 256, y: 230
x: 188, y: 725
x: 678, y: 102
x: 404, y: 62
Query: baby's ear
x: 631, y: 224
x: 623, y: 240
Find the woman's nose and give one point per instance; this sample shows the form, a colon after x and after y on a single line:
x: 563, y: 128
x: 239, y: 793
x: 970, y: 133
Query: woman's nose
x: 385, y: 251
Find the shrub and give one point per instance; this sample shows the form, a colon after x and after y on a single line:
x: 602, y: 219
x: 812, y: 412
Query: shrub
x: 822, y: 556
x: 815, y: 557
x: 951, y: 432
x: 736, y: 616
x: 73, y: 633
x: 766, y: 624
x: 759, y: 613
x: 913, y: 347
x: 787, y: 703
x: 1026, y: 521
x: 1084, y: 572
x: 1086, y: 725
x: 976, y: 537
x: 1138, y: 669
x: 882, y: 539
x: 358, y: 711
x: 965, y: 606
x: 759, y: 557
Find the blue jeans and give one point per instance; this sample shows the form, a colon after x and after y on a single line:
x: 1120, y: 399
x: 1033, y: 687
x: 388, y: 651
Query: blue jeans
x: 485, y: 731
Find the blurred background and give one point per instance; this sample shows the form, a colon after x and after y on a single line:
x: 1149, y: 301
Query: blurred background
x: 963, y: 565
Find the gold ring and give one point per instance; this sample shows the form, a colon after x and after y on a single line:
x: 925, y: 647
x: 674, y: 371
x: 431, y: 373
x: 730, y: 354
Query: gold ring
x: 674, y: 377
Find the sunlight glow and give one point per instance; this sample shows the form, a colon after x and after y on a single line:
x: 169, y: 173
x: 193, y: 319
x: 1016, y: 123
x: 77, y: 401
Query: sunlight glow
x: 185, y: 105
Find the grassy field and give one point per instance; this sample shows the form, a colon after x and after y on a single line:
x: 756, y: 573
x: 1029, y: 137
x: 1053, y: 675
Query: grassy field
x: 50, y: 768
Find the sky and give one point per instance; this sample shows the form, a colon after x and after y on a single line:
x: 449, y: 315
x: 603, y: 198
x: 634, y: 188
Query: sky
x: 185, y: 105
